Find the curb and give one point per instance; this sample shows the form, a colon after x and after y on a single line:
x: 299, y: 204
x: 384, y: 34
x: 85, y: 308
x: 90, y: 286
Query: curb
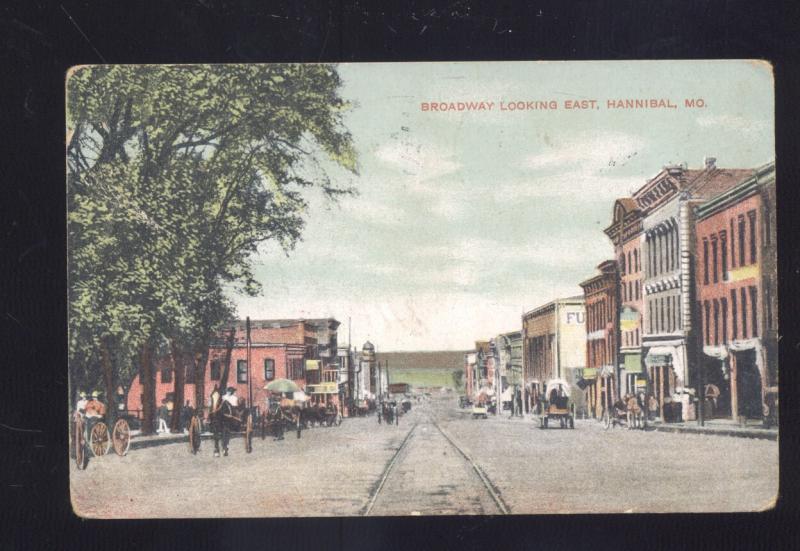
x: 719, y: 432
x: 137, y: 444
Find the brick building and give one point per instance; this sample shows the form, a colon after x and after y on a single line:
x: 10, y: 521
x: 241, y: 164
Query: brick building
x: 554, y: 346
x: 737, y: 296
x: 282, y: 348
x: 625, y: 232
x: 599, y: 377
x: 667, y: 202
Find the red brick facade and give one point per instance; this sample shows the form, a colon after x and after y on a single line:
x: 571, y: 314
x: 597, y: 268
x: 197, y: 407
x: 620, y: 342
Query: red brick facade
x: 735, y: 243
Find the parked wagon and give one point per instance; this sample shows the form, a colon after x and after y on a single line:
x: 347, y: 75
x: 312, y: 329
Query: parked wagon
x: 95, y: 438
x: 557, y: 405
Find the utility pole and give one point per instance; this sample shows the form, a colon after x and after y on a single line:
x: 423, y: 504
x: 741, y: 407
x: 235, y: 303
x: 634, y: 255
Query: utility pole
x: 249, y: 374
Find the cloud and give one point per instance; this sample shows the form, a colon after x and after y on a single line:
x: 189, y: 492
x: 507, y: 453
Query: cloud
x: 419, y: 162
x: 576, y: 185
x: 564, y: 251
x: 587, y: 152
x: 733, y: 122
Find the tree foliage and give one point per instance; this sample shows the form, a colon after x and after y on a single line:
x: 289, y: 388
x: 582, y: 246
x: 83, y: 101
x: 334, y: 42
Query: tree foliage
x: 176, y: 174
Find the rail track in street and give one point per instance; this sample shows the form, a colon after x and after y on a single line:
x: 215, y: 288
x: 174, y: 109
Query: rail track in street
x: 418, y: 479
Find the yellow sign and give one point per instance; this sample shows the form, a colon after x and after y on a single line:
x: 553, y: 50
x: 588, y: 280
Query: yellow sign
x: 323, y: 388
x: 312, y: 365
x: 745, y: 272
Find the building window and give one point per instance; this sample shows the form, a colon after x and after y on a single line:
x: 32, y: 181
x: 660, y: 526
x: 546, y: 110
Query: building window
x: 215, y: 372
x: 754, y: 310
x: 768, y: 305
x: 716, y: 322
x: 744, y: 313
x: 741, y: 241
x: 622, y: 264
x: 734, y: 315
x: 733, y: 247
x: 636, y: 260
x: 630, y: 266
x: 241, y: 371
x: 705, y: 261
x: 166, y: 375
x: 723, y: 248
x: 650, y: 315
x: 724, y: 307
x: 714, y: 259
x: 294, y: 367
x: 661, y: 315
x: 707, y: 308
x: 752, y: 217
x: 269, y: 369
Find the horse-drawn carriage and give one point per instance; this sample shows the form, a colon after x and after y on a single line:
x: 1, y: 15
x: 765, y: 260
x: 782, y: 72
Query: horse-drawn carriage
x: 557, y: 405
x: 95, y: 436
x: 226, y: 417
x: 625, y: 412
x: 282, y: 415
x: 322, y: 415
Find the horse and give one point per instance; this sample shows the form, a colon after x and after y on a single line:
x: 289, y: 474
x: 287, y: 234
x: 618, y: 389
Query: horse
x: 635, y: 413
x: 284, y: 415
x: 224, y: 419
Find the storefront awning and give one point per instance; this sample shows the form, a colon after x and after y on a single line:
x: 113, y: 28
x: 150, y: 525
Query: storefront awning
x: 659, y: 355
x: 589, y: 373
x: 633, y: 363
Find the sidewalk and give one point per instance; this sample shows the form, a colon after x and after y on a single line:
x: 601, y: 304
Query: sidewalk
x: 717, y: 427
x: 139, y: 442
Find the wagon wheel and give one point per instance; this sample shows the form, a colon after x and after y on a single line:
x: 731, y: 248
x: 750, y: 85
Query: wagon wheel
x: 99, y: 440
x: 248, y: 434
x: 121, y: 437
x: 79, y: 441
x: 194, y: 434
x: 606, y: 419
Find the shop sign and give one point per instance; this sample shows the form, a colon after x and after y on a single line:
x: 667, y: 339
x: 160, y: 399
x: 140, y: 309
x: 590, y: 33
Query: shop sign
x: 312, y: 365
x: 628, y: 319
x: 324, y: 388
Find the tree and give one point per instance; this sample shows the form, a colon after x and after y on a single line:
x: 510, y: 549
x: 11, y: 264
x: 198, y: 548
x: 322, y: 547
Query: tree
x: 175, y: 176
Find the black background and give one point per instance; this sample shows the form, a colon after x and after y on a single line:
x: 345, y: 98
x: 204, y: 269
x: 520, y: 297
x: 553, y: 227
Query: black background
x: 40, y: 40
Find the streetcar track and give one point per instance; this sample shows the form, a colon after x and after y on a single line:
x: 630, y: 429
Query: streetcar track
x: 484, y: 479
x: 490, y: 488
x: 387, y: 471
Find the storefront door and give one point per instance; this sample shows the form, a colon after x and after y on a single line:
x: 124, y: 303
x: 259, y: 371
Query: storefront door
x: 748, y: 384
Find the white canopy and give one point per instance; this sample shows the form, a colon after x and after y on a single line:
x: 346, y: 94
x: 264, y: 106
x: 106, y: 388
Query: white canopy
x: 555, y: 383
x: 299, y: 395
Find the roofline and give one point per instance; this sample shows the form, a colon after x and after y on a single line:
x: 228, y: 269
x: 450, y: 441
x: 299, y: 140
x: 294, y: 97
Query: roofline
x: 747, y: 187
x: 573, y: 300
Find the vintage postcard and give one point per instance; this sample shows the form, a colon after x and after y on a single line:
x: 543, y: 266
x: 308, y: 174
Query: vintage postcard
x: 422, y: 289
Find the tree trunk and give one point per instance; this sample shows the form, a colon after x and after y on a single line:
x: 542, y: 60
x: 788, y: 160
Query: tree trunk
x: 223, y: 381
x: 179, y: 370
x: 147, y: 380
x: 200, y: 360
x: 107, y: 364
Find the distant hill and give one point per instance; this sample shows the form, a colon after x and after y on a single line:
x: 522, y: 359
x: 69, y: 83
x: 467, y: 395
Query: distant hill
x: 439, y: 359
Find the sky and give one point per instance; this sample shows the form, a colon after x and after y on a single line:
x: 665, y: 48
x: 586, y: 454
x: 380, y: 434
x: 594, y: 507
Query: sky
x: 466, y: 219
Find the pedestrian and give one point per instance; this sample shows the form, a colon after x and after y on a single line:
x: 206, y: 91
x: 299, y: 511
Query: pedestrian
x: 652, y: 407
x: 162, y: 418
x: 186, y: 415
